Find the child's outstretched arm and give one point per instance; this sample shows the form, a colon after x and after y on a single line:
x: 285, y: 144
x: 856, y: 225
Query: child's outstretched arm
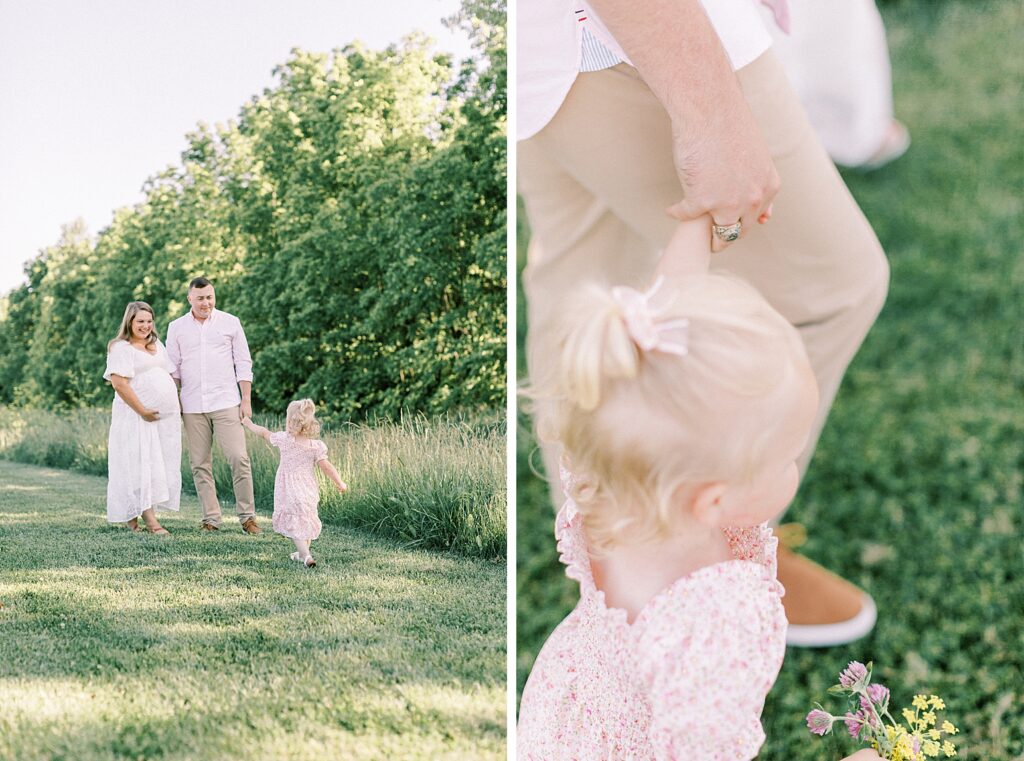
x: 259, y: 430
x: 331, y: 472
x: 688, y: 252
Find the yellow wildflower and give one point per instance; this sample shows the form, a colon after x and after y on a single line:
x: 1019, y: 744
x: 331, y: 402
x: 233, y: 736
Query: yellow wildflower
x: 949, y: 749
x: 928, y: 718
x: 909, y: 716
x: 936, y: 702
x: 931, y: 749
x: 934, y: 734
x: 919, y: 701
x: 948, y: 728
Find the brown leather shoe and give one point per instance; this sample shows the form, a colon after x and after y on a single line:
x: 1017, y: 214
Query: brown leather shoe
x: 250, y: 527
x: 208, y: 527
x: 823, y: 609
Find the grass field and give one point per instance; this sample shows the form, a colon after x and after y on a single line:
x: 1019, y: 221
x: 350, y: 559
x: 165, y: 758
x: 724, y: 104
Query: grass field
x: 128, y: 646
x: 431, y: 483
x: 915, y: 492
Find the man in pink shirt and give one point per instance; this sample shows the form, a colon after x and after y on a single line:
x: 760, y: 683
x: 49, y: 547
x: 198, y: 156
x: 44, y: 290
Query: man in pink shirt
x: 212, y: 365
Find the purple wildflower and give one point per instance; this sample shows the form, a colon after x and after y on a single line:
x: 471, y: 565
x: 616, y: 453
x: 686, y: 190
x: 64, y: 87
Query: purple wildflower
x: 869, y: 712
x: 853, y: 723
x: 879, y: 695
x: 819, y: 722
x: 853, y: 675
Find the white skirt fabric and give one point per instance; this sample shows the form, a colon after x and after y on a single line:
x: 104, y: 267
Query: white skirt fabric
x: 837, y: 60
x: 143, y: 458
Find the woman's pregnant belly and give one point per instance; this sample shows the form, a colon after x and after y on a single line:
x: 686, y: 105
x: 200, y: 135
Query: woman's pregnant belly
x: 155, y: 389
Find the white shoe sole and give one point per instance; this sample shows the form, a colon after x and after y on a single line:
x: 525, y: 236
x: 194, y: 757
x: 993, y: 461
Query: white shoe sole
x: 830, y: 635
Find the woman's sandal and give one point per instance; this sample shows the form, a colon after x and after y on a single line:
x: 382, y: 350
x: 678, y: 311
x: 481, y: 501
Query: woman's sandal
x: 158, y: 531
x: 133, y: 525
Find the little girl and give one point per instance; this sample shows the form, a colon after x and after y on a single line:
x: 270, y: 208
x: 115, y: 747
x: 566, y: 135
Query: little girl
x: 680, y: 413
x: 296, y: 492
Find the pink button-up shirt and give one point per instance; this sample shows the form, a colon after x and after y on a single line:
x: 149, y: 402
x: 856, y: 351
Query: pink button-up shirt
x: 209, y: 358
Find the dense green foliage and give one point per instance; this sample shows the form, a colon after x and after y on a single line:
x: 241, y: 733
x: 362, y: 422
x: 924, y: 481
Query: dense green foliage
x: 915, y: 491
x: 436, y: 484
x: 218, y: 647
x: 353, y: 217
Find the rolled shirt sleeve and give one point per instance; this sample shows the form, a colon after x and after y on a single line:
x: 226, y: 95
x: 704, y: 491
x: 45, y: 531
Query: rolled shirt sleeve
x: 173, y: 352
x: 240, y: 354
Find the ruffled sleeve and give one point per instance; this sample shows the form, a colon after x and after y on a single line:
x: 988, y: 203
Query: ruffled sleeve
x: 120, y: 361
x: 707, y: 667
x: 278, y: 438
x: 319, y: 451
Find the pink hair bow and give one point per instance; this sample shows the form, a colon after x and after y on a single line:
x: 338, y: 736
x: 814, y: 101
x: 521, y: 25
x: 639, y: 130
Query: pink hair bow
x: 644, y: 323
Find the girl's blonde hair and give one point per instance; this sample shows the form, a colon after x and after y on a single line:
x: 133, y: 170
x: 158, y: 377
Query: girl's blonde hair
x: 301, y: 419
x: 124, y: 333
x: 636, y: 424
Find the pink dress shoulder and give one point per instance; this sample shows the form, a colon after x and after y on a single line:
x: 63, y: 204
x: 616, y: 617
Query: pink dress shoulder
x: 686, y: 680
x: 296, y: 492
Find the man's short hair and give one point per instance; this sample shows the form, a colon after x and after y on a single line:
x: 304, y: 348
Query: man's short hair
x: 199, y: 282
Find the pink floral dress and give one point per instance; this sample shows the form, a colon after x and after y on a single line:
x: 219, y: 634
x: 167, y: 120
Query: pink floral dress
x: 686, y: 680
x: 296, y: 492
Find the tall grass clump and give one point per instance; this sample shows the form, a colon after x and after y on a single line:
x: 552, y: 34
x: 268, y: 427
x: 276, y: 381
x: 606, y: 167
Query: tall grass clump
x: 436, y: 484
x: 73, y: 440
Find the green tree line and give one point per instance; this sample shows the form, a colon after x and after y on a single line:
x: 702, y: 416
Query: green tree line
x: 353, y: 217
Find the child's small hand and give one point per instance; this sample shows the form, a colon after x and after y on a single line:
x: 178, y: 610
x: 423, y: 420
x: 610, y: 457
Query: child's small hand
x: 342, y: 487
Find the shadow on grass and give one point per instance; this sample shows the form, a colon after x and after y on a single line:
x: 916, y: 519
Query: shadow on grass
x: 197, y: 729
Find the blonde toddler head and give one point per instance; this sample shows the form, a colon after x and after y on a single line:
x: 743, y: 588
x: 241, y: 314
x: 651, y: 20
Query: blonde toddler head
x: 301, y: 419
x: 653, y: 393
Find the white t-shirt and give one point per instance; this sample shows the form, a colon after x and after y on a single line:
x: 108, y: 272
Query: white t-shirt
x: 549, y: 35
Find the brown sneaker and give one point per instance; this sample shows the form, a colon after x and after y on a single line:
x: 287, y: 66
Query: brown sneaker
x: 208, y: 527
x: 823, y: 609
x: 250, y: 527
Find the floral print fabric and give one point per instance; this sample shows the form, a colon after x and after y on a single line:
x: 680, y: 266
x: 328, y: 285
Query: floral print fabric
x: 686, y: 680
x: 296, y: 492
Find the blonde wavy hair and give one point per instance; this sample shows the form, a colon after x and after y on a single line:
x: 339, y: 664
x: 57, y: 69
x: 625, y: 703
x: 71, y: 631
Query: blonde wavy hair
x: 300, y: 420
x: 637, y: 425
x: 124, y: 333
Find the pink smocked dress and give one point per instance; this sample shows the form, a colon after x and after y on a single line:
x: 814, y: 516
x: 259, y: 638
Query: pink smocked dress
x: 296, y: 492
x: 686, y: 680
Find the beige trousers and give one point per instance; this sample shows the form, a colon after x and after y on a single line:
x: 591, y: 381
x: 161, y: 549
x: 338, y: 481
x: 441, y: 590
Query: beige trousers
x: 226, y: 426
x: 596, y: 182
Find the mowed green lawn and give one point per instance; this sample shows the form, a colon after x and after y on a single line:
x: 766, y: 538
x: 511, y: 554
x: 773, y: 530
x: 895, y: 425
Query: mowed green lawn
x: 116, y: 645
x: 917, y: 488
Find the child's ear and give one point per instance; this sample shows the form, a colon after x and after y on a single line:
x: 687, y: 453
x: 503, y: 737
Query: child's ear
x: 706, y: 503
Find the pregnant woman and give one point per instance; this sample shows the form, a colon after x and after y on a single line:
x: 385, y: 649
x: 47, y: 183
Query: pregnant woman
x: 144, y: 451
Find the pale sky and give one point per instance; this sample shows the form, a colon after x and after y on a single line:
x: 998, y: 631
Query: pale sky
x: 97, y: 96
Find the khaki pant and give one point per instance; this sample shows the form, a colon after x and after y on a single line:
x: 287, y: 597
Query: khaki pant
x: 226, y: 426
x: 596, y: 182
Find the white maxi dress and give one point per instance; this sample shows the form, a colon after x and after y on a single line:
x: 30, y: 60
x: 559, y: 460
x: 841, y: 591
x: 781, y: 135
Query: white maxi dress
x: 143, y: 458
